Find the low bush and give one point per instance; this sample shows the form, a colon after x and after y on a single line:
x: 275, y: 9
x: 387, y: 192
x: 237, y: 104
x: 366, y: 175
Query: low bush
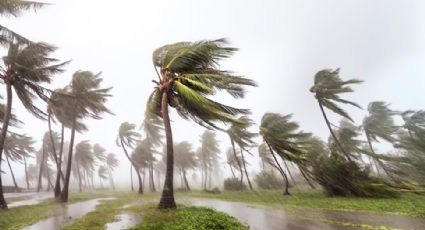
x: 267, y: 180
x: 233, y: 184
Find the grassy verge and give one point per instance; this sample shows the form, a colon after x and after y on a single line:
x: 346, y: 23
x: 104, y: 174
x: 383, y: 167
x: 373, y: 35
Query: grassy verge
x: 19, y: 217
x: 19, y: 198
x: 185, y: 218
x: 408, y: 204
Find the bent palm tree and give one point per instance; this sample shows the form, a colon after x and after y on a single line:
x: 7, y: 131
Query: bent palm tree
x: 379, y: 124
x: 111, y: 163
x: 327, y: 86
x: 281, y: 136
x: 101, y: 172
x: 187, y: 74
x: 128, y: 137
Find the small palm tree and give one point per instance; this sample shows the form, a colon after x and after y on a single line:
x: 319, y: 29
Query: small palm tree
x: 24, y: 69
x: 84, y: 160
x: 187, y: 74
x: 127, y: 136
x: 379, y: 124
x: 111, y: 163
x: 281, y: 136
x: 208, y: 156
x: 327, y: 87
x: 240, y: 135
x: 101, y: 172
x: 185, y: 160
x: 83, y: 98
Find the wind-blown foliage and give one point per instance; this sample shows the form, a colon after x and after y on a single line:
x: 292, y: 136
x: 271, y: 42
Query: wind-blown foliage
x: 188, y: 73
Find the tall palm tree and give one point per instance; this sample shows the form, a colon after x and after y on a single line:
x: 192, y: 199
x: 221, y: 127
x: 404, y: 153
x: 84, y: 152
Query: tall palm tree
x: 15, y: 8
x: 24, y: 69
x: 282, y: 136
x: 127, y: 136
x: 379, y: 124
x: 327, y: 87
x: 240, y: 135
x: 83, y: 98
x: 111, y: 163
x: 188, y: 72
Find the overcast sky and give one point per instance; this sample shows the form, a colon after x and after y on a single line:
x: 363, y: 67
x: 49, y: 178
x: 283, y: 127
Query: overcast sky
x: 282, y: 45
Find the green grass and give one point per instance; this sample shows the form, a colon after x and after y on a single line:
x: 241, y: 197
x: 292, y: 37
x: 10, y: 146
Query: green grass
x: 185, y: 218
x: 408, y: 204
x: 19, y: 217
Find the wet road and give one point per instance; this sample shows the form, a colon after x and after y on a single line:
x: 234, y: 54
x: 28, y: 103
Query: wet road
x: 262, y: 217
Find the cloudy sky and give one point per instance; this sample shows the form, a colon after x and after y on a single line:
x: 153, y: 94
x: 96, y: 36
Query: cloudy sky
x: 282, y: 43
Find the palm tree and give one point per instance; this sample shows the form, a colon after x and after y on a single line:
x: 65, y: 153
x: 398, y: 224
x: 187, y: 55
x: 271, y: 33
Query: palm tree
x: 208, y: 155
x: 84, y: 160
x: 240, y: 135
x: 12, y: 152
x: 83, y: 98
x: 282, y: 136
x: 15, y: 8
x: 111, y: 163
x: 24, y: 69
x: 187, y: 74
x: 26, y: 148
x: 233, y: 162
x: 127, y: 136
x: 379, y: 124
x: 143, y: 158
x: 185, y: 160
x: 101, y: 172
x: 327, y: 87
x: 153, y: 131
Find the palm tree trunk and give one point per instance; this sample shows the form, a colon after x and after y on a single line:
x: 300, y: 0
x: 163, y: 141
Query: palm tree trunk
x: 140, y: 191
x: 289, y: 172
x: 379, y: 161
x: 306, y: 178
x: 59, y: 166
x: 131, y: 178
x: 79, y: 176
x: 40, y: 171
x: 231, y: 170
x: 332, y: 132
x: 6, y: 119
x: 286, y: 191
x: 26, y: 173
x: 11, y: 172
x: 246, y: 172
x: 64, y: 194
x: 49, y: 182
x: 185, y: 180
x: 152, y: 178
x: 111, y: 179
x: 167, y: 198
x: 55, y: 157
x: 237, y: 160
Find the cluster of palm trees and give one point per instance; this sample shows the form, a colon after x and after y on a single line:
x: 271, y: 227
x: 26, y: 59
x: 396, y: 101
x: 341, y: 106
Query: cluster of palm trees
x: 24, y: 71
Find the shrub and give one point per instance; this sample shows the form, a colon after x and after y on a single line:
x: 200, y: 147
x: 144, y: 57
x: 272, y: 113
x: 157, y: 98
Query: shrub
x: 233, y: 184
x: 267, y: 180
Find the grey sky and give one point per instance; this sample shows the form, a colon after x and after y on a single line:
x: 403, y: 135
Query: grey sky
x: 282, y: 45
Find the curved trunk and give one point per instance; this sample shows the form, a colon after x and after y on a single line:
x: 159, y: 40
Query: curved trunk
x: 185, y: 180
x: 231, y: 170
x: 306, y: 178
x: 167, y: 198
x: 379, y: 161
x: 59, y: 173
x: 40, y: 171
x: 26, y: 173
x: 80, y: 183
x: 246, y: 172
x: 332, y: 132
x: 64, y: 194
x: 237, y: 160
x: 6, y: 119
x: 286, y: 191
x: 57, y: 188
x: 135, y: 168
x: 151, y: 177
x: 289, y: 172
x: 111, y: 179
x: 11, y: 172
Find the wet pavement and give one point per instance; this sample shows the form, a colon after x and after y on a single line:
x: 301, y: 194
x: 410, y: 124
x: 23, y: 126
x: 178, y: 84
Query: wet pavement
x: 33, y: 198
x: 69, y: 214
x: 262, y: 218
x: 125, y: 221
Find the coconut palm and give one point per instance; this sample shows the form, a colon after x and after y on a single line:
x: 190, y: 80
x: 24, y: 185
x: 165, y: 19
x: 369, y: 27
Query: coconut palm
x: 153, y: 131
x: 240, y: 135
x: 24, y: 69
x: 83, y: 98
x: 128, y: 137
x: 84, y: 160
x: 187, y: 74
x: 379, y: 124
x: 111, y: 163
x: 232, y: 161
x: 15, y: 8
x: 12, y: 153
x: 282, y: 136
x: 327, y: 87
x: 185, y: 160
x: 26, y: 149
x: 414, y: 122
x: 143, y: 158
